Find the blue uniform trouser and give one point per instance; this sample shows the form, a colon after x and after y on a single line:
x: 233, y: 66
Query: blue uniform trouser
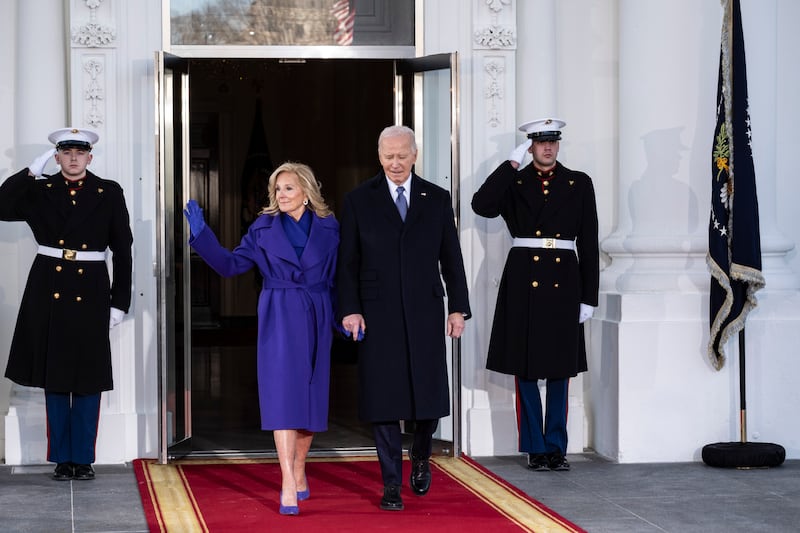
x: 72, y: 427
x: 537, y: 435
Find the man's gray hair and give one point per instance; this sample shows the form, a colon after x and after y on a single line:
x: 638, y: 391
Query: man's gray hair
x: 398, y: 131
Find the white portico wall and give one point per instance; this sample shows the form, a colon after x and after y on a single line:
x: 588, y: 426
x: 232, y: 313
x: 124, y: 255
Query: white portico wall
x: 36, y: 75
x: 636, y: 82
x: 487, y: 75
x: 513, y: 63
x: 654, y: 395
x: 8, y: 232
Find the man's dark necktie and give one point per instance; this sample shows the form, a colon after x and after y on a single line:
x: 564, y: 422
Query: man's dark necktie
x: 402, y: 205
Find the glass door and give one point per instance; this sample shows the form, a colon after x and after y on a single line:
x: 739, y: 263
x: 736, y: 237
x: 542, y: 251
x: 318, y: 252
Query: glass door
x: 172, y: 263
x: 426, y: 93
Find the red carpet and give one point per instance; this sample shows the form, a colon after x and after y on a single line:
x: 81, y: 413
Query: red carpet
x: 242, y: 495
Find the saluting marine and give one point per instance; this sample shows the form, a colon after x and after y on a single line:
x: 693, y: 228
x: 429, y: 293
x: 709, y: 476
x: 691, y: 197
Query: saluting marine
x: 61, y: 339
x: 549, y: 285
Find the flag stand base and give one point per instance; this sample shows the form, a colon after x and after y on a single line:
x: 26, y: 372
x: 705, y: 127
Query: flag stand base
x: 743, y: 454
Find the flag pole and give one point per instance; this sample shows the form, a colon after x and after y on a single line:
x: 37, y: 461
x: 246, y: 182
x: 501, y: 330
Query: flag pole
x: 743, y: 454
x: 742, y: 390
x: 734, y: 245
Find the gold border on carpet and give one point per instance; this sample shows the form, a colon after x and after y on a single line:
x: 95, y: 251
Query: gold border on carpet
x: 176, y: 508
x: 513, y: 505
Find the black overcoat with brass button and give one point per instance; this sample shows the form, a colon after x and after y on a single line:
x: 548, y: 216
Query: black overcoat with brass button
x: 61, y: 338
x: 535, y: 332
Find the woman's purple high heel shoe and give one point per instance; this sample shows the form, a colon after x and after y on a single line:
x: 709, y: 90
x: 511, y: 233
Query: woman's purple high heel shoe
x: 289, y: 510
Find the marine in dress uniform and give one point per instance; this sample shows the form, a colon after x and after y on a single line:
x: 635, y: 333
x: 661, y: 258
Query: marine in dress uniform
x: 61, y: 341
x: 549, y: 285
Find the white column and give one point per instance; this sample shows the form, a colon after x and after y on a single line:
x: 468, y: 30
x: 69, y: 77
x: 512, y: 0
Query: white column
x: 40, y: 77
x: 487, y: 396
x: 40, y: 98
x: 655, y: 396
x: 542, y: 60
x: 537, y: 61
x: 773, y: 329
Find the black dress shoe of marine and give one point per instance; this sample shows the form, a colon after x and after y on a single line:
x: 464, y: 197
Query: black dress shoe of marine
x: 84, y: 472
x: 420, y: 476
x: 558, y: 462
x: 538, y: 462
x: 391, y: 500
x: 63, y: 472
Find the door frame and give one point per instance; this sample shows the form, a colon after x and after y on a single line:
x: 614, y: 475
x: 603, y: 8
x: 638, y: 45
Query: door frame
x: 173, y: 161
x: 410, y: 79
x: 172, y: 175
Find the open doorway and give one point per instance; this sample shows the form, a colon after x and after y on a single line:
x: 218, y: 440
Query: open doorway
x: 247, y: 116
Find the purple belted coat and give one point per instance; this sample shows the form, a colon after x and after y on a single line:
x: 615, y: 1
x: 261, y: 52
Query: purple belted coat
x: 295, y: 315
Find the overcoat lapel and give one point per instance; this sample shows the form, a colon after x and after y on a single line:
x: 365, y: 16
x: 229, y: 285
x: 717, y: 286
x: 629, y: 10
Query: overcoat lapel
x: 321, y: 240
x: 419, y: 196
x: 382, y: 198
x: 273, y: 240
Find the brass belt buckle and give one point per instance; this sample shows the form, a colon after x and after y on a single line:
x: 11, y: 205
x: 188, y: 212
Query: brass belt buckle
x: 549, y: 243
x: 69, y: 255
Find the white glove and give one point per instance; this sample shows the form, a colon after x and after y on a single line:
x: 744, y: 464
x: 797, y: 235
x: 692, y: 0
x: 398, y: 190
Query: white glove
x: 518, y: 153
x: 115, y: 317
x: 37, y: 167
x: 585, y: 313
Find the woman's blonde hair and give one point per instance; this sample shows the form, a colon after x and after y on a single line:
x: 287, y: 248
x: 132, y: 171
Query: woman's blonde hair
x: 308, y: 183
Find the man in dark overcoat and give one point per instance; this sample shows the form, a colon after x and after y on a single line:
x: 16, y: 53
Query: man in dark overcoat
x: 61, y: 341
x: 398, y: 242
x: 549, y: 285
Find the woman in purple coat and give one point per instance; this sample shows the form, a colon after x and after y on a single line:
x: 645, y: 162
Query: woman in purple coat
x: 293, y: 244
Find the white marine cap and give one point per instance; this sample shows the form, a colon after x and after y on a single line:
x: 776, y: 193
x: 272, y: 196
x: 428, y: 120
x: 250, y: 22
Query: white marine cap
x: 543, y: 129
x: 73, y: 138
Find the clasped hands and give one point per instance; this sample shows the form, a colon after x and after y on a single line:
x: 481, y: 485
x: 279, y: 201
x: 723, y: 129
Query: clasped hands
x: 353, y: 326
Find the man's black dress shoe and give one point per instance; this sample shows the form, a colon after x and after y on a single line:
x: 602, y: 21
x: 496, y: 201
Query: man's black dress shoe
x: 63, y: 472
x: 538, y: 462
x: 391, y: 500
x: 84, y: 472
x: 420, y: 476
x: 558, y: 462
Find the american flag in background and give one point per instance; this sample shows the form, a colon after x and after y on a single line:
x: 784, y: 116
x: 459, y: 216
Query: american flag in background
x: 344, y: 22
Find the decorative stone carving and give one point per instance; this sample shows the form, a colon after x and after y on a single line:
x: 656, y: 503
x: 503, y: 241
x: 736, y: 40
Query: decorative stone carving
x: 94, y: 92
x: 496, y: 37
x: 494, y: 91
x: 93, y: 34
x: 497, y: 5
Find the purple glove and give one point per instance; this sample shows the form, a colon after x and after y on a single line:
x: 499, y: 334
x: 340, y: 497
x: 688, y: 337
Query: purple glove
x: 194, y: 214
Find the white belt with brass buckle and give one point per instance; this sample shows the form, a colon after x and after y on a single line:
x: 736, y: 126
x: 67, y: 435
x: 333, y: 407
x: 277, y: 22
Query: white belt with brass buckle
x: 530, y: 242
x: 70, y: 255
